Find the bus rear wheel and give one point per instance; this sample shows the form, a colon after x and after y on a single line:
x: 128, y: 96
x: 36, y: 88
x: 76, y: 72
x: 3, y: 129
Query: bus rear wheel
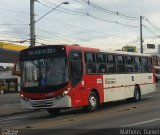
x: 92, y: 102
x: 137, y: 94
x: 53, y: 111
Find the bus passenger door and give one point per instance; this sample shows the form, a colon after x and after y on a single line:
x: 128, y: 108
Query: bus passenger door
x: 76, y: 77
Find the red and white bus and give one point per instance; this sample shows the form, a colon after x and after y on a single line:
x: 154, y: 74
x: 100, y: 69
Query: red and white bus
x: 56, y: 77
x: 156, y: 63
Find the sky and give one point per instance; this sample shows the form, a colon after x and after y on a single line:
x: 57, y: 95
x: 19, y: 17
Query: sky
x: 105, y: 24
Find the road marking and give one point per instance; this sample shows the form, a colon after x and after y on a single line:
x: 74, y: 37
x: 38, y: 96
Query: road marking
x: 144, y: 122
x: 19, y: 117
x: 9, y: 121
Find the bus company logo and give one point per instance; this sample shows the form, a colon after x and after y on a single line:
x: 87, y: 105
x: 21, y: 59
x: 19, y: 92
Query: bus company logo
x: 110, y: 81
x: 99, y: 80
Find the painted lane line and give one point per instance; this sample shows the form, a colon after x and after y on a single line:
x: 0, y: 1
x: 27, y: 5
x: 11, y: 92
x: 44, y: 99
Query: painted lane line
x: 4, y: 122
x: 140, y: 123
x: 20, y: 117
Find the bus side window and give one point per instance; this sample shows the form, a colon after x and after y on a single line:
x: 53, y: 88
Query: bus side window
x: 144, y: 64
x: 111, y: 66
x: 129, y: 64
x: 137, y: 64
x: 150, y: 65
x: 90, y: 62
x: 121, y: 68
x: 101, y: 63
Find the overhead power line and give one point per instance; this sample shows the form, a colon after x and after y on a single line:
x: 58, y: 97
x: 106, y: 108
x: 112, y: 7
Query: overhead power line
x: 92, y: 16
x: 149, y: 30
x: 147, y: 20
x: 117, y: 13
x: 112, y: 21
x: 63, y: 9
x: 153, y: 40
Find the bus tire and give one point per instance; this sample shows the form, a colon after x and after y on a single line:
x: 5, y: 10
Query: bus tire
x: 137, y: 94
x: 53, y: 111
x: 92, y: 102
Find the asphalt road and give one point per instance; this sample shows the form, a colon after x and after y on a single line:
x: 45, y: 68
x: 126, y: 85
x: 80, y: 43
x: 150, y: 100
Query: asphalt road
x: 143, y: 114
x: 9, y: 98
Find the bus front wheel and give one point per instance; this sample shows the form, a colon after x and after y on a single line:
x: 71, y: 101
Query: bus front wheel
x: 53, y: 111
x: 92, y: 102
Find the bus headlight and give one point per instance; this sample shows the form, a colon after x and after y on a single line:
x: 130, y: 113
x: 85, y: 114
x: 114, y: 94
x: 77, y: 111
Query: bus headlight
x: 66, y: 92
x: 21, y: 95
x: 63, y: 94
x: 24, y: 98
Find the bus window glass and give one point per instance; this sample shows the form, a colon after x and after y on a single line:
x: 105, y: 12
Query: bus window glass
x: 121, y: 68
x: 48, y: 72
x: 137, y: 64
x: 111, y: 66
x: 101, y: 63
x: 150, y: 65
x: 144, y: 65
x: 90, y: 63
x: 120, y: 60
x: 75, y: 55
x: 129, y: 64
x: 101, y: 58
x: 110, y: 59
x: 129, y: 60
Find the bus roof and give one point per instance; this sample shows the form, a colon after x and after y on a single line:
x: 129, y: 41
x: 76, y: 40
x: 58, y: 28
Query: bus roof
x: 126, y: 53
x: 78, y: 47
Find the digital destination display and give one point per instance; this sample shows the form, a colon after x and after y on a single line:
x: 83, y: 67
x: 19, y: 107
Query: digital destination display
x: 42, y: 51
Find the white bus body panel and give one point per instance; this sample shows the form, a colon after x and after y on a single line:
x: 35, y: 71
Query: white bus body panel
x: 121, y: 86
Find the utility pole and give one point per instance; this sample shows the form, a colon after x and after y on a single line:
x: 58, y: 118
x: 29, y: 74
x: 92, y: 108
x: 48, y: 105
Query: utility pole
x: 32, y: 24
x: 32, y: 20
x: 141, y: 38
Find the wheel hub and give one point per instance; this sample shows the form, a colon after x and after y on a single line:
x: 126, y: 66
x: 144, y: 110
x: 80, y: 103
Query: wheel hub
x: 92, y: 101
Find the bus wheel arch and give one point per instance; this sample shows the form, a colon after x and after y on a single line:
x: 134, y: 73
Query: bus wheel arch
x: 93, y: 100
x: 137, y: 93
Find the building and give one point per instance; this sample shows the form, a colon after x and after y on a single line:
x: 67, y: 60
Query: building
x: 129, y: 48
x: 8, y: 54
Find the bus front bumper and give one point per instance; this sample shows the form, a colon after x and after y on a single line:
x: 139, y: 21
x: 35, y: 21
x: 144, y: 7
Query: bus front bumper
x: 63, y: 102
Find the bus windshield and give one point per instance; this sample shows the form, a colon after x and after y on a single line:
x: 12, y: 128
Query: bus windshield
x: 44, y: 72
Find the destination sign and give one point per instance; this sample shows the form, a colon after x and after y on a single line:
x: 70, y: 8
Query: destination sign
x: 42, y: 51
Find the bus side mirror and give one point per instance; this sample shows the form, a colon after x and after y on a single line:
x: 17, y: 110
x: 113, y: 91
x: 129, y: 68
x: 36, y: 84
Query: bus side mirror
x: 16, y: 69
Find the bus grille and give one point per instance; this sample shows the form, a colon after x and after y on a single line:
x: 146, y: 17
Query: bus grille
x: 42, y: 103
